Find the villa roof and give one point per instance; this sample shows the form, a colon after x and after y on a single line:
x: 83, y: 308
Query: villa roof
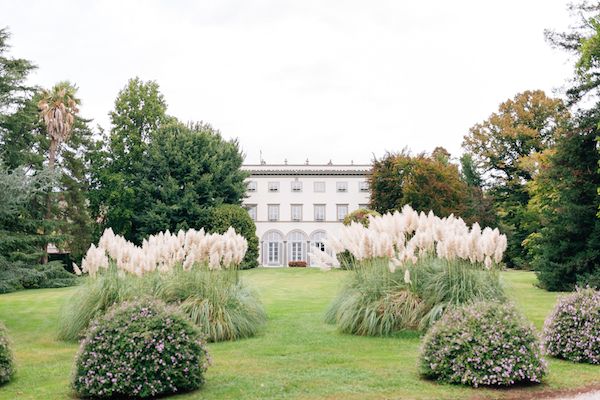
x: 307, y: 169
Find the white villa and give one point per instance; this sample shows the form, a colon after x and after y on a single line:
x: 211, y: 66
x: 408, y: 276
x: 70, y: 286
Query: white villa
x: 298, y: 206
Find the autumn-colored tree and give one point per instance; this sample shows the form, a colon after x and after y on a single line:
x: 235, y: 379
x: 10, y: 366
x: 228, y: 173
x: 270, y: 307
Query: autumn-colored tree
x: 505, y: 149
x: 422, y: 181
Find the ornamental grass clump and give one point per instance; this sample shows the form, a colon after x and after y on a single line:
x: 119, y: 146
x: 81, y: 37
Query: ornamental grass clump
x: 195, y: 271
x: 572, y: 331
x: 140, y: 349
x: 483, y: 344
x: 7, y: 367
x: 408, y: 268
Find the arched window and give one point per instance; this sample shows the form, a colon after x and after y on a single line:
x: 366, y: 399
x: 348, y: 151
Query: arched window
x: 272, y: 248
x: 317, y: 240
x: 297, y: 246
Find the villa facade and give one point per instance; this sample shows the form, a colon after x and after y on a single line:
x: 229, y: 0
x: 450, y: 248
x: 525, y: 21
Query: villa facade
x: 295, y: 207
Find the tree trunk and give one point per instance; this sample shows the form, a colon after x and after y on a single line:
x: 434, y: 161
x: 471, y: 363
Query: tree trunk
x: 51, y: 160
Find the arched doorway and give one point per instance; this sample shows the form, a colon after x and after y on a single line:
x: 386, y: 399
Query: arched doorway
x: 297, y: 241
x: 317, y: 240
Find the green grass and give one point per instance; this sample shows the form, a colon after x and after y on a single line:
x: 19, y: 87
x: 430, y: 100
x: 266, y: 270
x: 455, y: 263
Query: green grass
x: 297, y: 355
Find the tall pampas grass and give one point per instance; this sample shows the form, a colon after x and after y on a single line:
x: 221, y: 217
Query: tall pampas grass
x: 195, y: 270
x: 409, y: 268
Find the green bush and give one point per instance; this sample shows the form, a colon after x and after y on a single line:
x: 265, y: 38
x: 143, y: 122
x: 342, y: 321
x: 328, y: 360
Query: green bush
x: 18, y: 276
x: 7, y: 368
x: 482, y: 344
x: 226, y: 215
x: 140, y: 349
x: 216, y: 301
x: 360, y: 216
x: 572, y: 331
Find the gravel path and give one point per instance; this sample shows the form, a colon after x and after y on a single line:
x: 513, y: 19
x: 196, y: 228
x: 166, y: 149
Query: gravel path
x: 595, y: 395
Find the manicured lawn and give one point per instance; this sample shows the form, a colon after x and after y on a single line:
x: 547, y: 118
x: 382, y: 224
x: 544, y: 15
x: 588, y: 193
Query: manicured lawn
x: 297, y: 356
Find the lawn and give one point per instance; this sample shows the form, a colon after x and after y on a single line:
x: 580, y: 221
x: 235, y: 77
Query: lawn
x: 297, y: 356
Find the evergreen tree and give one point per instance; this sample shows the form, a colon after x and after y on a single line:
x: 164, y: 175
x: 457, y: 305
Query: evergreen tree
x: 566, y: 249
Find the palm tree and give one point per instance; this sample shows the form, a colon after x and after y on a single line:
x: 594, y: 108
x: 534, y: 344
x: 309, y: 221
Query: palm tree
x: 58, y: 108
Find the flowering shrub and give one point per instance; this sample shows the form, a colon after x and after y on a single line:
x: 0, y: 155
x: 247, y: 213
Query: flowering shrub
x: 572, y: 331
x: 6, y: 361
x: 140, y: 349
x: 163, y: 251
x: 482, y: 344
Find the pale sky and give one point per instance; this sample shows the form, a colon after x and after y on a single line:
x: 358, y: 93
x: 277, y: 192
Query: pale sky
x: 340, y: 80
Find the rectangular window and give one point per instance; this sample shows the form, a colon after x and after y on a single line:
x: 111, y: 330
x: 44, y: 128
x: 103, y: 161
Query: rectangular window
x: 342, y: 211
x: 252, y: 186
x: 251, y: 211
x: 273, y: 186
x: 296, y: 251
x: 341, y: 186
x: 296, y: 212
x: 319, y: 187
x: 363, y: 186
x: 273, y: 211
x: 296, y: 186
x: 319, y: 212
x: 273, y: 258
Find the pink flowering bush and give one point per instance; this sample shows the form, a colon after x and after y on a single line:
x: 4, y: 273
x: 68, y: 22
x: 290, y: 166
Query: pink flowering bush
x: 140, y: 349
x: 482, y: 344
x: 572, y: 331
x: 7, y: 367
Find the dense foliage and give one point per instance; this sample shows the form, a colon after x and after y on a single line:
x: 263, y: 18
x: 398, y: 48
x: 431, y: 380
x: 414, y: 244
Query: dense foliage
x: 483, y: 344
x: 572, y: 331
x: 505, y: 148
x: 7, y: 367
x: 22, y: 198
x: 427, y: 183
x: 158, y: 174
x: 223, y: 217
x: 566, y: 249
x: 140, y: 349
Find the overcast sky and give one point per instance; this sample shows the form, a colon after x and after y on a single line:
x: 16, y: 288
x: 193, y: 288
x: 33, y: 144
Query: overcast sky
x: 340, y: 80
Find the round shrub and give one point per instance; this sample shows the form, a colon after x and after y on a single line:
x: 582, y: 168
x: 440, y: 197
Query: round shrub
x: 572, y: 331
x: 482, y: 344
x: 7, y: 367
x: 360, y: 216
x: 140, y: 349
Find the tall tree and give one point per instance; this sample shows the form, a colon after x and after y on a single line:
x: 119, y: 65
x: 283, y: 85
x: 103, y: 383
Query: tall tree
x: 426, y: 183
x: 566, y: 249
x: 504, y: 148
x: 187, y: 171
x: 58, y: 108
x: 118, y: 167
x: 583, y: 41
x: 157, y: 173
